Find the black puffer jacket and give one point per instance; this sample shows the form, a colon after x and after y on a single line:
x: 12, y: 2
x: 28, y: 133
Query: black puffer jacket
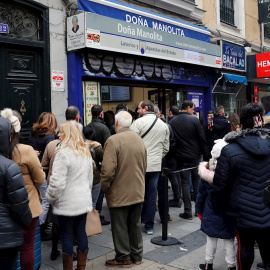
x: 14, y: 210
x: 240, y: 178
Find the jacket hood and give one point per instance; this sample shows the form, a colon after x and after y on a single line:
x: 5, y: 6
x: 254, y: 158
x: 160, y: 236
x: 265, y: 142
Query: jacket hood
x: 5, y: 129
x: 220, y: 122
x: 255, y: 141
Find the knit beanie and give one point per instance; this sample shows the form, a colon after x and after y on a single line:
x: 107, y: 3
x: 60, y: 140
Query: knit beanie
x: 8, y: 114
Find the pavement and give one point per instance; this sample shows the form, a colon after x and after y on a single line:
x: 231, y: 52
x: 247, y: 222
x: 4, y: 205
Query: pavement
x: 185, y: 256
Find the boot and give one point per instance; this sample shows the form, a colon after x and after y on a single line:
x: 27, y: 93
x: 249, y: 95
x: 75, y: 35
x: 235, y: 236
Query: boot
x: 206, y: 266
x: 81, y: 262
x: 67, y: 261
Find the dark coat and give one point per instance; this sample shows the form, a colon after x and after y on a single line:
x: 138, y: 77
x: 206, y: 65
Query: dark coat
x: 189, y: 138
x: 39, y: 143
x: 240, y: 178
x: 14, y: 204
x: 221, y: 127
x: 212, y: 224
x: 102, y: 131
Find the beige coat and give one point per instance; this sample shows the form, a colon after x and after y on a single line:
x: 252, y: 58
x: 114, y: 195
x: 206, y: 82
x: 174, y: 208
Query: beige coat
x: 156, y: 141
x: 33, y: 175
x: 123, y: 169
x: 48, y: 158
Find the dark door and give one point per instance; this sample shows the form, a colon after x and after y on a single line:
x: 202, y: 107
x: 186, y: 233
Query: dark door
x: 21, y: 83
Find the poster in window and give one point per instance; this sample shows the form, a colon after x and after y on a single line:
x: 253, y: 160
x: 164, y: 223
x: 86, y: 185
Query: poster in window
x: 91, y: 97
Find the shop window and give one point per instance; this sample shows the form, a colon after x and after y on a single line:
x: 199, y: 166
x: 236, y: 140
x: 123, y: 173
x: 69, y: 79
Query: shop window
x: 227, y: 101
x: 267, y: 31
x: 227, y: 12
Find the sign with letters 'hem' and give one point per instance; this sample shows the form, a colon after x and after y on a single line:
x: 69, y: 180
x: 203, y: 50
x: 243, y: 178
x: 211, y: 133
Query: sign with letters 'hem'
x: 109, y: 34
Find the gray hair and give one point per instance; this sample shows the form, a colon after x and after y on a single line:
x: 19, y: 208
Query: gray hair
x: 156, y: 110
x: 124, y: 119
x: 74, y: 19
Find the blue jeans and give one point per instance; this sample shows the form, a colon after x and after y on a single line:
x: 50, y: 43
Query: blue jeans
x: 150, y: 197
x: 70, y: 225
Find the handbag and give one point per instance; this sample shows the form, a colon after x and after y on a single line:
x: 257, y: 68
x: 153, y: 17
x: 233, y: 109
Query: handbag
x: 266, y: 194
x: 93, y: 224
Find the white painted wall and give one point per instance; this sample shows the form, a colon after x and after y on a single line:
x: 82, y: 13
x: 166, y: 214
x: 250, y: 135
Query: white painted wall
x: 58, y: 56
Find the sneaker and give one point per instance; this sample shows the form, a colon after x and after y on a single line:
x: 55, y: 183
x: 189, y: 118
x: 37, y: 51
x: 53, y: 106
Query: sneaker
x: 232, y: 268
x: 185, y: 216
x: 206, y: 266
x: 173, y: 203
x: 149, y: 231
x: 113, y: 263
x: 260, y: 266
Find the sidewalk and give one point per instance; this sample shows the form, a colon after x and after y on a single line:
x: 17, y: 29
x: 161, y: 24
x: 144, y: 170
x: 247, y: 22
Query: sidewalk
x: 155, y: 257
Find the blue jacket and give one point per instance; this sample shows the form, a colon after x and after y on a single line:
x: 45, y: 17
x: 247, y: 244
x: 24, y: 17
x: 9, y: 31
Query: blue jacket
x: 240, y: 178
x: 212, y: 224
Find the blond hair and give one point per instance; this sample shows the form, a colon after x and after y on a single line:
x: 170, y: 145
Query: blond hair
x: 73, y: 139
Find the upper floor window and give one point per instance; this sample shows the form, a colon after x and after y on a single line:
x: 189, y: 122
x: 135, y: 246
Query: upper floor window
x: 267, y: 31
x: 227, y: 11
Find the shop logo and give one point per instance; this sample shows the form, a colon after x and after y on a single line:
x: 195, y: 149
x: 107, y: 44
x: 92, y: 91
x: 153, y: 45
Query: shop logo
x: 263, y: 65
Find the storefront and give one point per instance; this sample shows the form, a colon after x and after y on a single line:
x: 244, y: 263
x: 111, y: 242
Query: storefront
x: 259, y: 76
x: 125, y: 54
x: 230, y: 87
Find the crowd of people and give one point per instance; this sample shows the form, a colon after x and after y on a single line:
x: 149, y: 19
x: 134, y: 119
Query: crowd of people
x: 64, y: 172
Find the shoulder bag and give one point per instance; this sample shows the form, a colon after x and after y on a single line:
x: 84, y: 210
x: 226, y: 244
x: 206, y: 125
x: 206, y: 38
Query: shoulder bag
x: 150, y: 128
x: 93, y: 224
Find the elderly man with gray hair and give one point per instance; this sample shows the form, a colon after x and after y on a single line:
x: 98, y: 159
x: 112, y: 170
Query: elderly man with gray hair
x: 122, y: 179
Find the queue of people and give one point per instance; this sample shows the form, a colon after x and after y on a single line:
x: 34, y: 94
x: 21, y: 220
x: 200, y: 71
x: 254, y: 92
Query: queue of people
x: 65, y: 172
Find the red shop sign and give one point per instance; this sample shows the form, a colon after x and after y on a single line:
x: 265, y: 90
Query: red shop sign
x: 263, y: 65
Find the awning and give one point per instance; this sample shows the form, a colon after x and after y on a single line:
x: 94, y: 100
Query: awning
x: 235, y: 78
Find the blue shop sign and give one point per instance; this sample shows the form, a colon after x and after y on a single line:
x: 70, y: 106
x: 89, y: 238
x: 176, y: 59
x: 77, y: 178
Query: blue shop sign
x: 131, y: 14
x: 196, y: 96
x: 233, y: 56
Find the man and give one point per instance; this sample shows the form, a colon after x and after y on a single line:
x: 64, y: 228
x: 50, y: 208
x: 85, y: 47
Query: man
x: 73, y: 113
x: 218, y: 129
x: 240, y: 178
x: 173, y: 111
x: 122, y: 180
x: 155, y: 135
x: 190, y: 146
x: 102, y: 132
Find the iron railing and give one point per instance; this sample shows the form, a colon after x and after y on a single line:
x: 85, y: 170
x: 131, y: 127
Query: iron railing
x: 227, y: 12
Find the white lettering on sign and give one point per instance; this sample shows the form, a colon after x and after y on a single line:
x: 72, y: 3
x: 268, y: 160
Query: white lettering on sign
x: 265, y: 63
x: 233, y: 61
x: 168, y: 28
x: 155, y: 25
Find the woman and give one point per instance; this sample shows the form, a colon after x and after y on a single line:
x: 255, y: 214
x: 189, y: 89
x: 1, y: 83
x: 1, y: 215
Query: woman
x: 13, y: 202
x: 235, y: 121
x: 33, y: 175
x: 43, y: 132
x: 240, y: 178
x: 69, y: 191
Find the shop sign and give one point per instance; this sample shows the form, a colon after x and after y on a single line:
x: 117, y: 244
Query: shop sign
x: 90, y: 97
x: 233, y: 56
x: 263, y: 65
x: 109, y: 34
x: 140, y: 17
x: 264, y: 12
x: 58, y: 80
x: 76, y: 32
x: 4, y: 28
x: 196, y: 96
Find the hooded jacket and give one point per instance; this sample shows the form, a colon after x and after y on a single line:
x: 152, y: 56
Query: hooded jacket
x: 240, y: 178
x: 14, y: 209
